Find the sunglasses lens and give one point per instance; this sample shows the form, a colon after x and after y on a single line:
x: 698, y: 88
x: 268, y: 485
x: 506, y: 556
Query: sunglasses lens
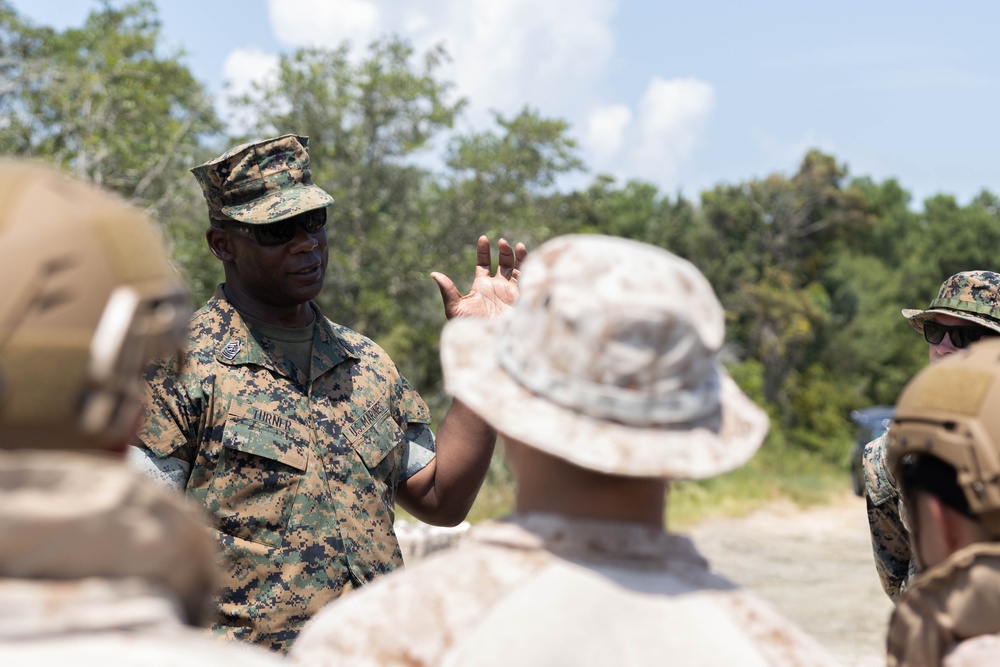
x: 933, y: 332
x: 314, y: 220
x: 969, y: 335
x: 279, y: 233
x: 961, y: 337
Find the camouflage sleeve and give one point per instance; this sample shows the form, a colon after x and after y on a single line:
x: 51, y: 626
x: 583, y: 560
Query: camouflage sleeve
x: 414, y: 419
x: 167, y: 413
x: 890, y: 538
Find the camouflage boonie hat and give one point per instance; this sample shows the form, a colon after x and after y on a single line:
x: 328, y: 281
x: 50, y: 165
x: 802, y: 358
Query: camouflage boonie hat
x: 973, y: 296
x: 610, y: 361
x: 261, y: 182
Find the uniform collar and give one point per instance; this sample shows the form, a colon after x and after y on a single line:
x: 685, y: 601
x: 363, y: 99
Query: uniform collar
x: 237, y: 346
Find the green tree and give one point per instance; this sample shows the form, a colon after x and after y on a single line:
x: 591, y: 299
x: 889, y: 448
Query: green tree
x: 103, y: 102
x: 638, y: 211
x: 100, y: 102
x: 772, y: 247
x: 499, y: 180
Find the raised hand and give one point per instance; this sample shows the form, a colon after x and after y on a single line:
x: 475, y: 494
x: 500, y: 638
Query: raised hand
x: 491, y: 294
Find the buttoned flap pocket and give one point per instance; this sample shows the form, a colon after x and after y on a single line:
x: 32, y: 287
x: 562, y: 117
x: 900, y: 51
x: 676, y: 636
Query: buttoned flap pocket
x: 256, y: 478
x: 377, y: 440
x: 374, y: 435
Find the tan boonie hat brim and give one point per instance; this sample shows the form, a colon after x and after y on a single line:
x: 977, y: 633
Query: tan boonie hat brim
x: 714, y: 445
x: 279, y: 205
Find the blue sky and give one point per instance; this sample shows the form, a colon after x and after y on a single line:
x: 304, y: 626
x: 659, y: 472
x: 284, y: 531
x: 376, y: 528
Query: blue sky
x: 682, y: 94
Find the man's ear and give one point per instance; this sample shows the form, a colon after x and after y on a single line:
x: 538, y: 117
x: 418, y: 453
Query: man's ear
x: 218, y: 243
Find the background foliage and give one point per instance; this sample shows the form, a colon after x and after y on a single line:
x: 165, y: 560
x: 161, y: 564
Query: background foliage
x: 812, y: 267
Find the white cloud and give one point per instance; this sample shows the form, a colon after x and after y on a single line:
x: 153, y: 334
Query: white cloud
x: 552, y: 56
x: 655, y: 141
x: 241, y: 69
x: 506, y: 55
x: 325, y: 22
x: 606, y: 128
x: 673, y: 116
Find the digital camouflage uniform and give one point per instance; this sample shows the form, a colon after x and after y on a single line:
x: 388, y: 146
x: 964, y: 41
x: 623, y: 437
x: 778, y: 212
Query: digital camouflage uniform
x: 890, y: 537
x: 973, y: 296
x: 299, y: 472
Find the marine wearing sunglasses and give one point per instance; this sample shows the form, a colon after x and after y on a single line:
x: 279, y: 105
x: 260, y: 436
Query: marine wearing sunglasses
x: 276, y: 233
x: 960, y: 336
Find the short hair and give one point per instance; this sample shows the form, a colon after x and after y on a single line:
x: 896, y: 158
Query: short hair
x: 928, y: 473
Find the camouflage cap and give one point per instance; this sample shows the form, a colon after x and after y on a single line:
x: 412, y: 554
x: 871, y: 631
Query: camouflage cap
x: 609, y: 360
x: 261, y: 182
x: 973, y: 296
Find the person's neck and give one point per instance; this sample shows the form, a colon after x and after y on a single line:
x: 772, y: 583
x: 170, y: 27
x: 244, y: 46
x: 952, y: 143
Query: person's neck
x: 598, y: 497
x: 291, y: 317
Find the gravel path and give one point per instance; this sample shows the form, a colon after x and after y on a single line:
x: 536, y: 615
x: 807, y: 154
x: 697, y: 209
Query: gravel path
x: 814, y: 565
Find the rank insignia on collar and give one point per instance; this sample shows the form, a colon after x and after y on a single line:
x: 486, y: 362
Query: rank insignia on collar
x: 231, y: 349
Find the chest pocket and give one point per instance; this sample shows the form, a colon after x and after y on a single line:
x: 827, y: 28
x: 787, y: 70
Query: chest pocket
x: 377, y: 440
x: 257, y: 475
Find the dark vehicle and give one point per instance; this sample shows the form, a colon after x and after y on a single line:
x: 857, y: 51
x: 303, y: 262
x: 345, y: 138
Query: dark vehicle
x: 870, y: 423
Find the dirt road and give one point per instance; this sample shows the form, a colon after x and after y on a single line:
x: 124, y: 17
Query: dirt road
x: 815, y: 566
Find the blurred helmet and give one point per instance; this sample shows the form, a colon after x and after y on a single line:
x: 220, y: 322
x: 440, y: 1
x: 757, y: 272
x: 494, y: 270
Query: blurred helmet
x: 89, y: 296
x: 949, y: 411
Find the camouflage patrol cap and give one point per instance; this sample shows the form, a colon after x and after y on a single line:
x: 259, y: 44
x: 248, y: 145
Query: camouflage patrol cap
x: 948, y: 410
x: 261, y: 182
x: 609, y: 360
x: 973, y: 296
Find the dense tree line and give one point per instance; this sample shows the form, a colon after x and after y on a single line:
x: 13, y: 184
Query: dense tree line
x: 812, y: 267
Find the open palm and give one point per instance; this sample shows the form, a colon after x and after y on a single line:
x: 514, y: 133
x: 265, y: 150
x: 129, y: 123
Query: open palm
x: 490, y: 294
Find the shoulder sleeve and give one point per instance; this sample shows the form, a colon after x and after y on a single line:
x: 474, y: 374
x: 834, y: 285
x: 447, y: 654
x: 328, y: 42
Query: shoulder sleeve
x: 409, y: 406
x: 890, y: 539
x: 880, y: 485
x: 169, y: 415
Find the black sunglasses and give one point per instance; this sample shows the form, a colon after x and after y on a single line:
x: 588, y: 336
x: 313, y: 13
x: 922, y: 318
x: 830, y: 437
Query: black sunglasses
x: 279, y: 233
x: 960, y: 336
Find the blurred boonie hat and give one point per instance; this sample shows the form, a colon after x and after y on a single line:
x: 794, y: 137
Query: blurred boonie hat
x: 973, y: 296
x: 261, y: 182
x: 609, y: 360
